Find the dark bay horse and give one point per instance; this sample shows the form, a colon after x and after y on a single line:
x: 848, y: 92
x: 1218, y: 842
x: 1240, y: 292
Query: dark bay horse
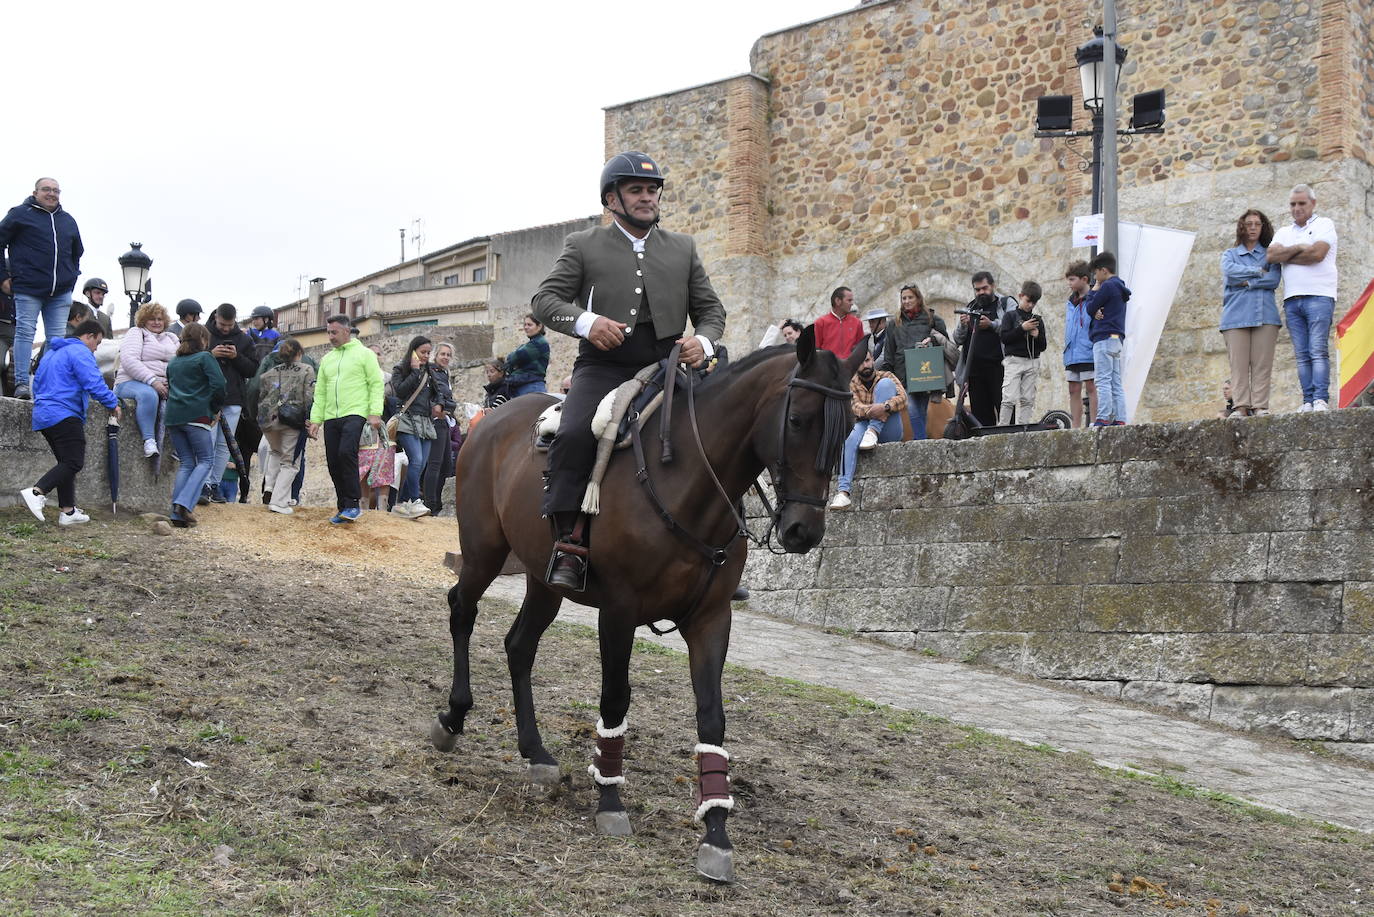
x: 781, y: 410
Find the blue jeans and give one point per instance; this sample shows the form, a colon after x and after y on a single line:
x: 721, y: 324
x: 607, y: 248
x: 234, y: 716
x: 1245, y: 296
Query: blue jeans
x: 889, y: 431
x: 196, y: 453
x: 917, y: 405
x: 417, y: 454
x: 1309, y: 325
x: 146, y: 399
x: 229, y: 421
x: 27, y: 308
x: 1109, y: 369
x: 524, y: 388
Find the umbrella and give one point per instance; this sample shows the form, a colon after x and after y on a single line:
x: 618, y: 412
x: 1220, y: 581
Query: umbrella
x: 234, y: 452
x: 112, y: 461
x: 161, y: 434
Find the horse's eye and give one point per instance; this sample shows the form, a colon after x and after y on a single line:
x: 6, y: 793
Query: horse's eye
x: 794, y: 420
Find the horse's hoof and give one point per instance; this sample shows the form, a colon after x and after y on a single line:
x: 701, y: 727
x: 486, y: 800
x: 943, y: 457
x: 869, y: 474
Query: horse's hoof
x: 716, y: 863
x: 544, y: 775
x: 442, y: 738
x: 613, y: 824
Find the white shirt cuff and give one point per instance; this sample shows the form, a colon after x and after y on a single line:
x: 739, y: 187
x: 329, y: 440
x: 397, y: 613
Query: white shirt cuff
x: 706, y: 346
x: 583, y: 325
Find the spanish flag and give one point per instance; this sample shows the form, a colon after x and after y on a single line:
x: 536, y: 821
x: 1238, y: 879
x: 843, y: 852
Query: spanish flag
x: 1355, y: 344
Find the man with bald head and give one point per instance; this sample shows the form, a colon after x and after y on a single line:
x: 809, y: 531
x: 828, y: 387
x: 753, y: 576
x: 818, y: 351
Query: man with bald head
x: 1307, y: 250
x: 42, y: 245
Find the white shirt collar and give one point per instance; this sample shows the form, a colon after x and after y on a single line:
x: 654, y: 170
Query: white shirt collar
x: 637, y: 243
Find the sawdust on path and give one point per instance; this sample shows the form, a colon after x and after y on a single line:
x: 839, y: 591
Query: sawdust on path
x: 412, y: 548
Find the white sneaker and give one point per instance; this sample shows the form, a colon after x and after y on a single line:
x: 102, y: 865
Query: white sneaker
x: 1319, y: 405
x: 284, y: 510
x: 418, y: 509
x: 34, y: 501
x: 840, y: 501
x: 149, y: 448
x: 1260, y: 412
x: 402, y: 509
x: 870, y: 440
x: 1306, y: 408
x: 293, y: 503
x: 75, y: 517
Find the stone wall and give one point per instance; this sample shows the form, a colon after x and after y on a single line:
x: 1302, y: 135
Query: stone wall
x: 1225, y: 568
x: 900, y: 149
x: 27, y: 457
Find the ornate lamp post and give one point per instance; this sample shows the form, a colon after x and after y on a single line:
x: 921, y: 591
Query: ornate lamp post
x: 1094, y: 75
x: 1099, y: 72
x: 135, y: 265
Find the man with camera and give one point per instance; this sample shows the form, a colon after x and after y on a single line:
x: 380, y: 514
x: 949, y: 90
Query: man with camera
x: 980, y: 364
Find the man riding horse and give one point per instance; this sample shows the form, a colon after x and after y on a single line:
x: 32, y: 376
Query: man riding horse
x: 627, y: 290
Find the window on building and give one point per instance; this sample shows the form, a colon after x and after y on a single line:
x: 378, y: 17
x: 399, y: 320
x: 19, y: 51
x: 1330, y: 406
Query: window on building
x: 451, y: 280
x: 479, y: 275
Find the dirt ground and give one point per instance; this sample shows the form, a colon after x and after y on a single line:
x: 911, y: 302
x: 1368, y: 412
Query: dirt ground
x: 234, y: 719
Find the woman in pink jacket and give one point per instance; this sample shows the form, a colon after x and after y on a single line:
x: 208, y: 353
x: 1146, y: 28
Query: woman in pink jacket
x: 142, y: 376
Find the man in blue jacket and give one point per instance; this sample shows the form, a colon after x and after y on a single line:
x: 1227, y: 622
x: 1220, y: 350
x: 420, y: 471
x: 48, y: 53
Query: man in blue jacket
x: 1107, y: 306
x: 44, y: 248
x: 67, y: 375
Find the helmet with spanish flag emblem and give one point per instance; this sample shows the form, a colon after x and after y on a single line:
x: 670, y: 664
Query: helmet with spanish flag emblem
x: 631, y: 166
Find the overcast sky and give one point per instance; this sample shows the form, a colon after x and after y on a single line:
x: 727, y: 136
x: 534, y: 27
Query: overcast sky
x: 248, y: 145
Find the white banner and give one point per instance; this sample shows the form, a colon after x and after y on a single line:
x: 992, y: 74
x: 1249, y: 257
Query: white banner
x: 1150, y: 262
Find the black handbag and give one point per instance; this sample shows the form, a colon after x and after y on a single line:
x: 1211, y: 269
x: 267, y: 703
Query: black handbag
x: 293, y: 415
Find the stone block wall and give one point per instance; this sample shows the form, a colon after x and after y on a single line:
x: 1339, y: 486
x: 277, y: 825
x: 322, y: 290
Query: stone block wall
x: 27, y: 457
x: 1220, y: 567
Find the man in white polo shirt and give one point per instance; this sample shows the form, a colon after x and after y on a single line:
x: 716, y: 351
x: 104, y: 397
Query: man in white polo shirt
x: 1307, y: 250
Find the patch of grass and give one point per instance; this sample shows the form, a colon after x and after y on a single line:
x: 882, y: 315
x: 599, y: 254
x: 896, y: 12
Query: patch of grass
x: 647, y: 648
x: 1176, y: 787
x: 95, y: 714
x: 218, y: 732
x: 21, y: 529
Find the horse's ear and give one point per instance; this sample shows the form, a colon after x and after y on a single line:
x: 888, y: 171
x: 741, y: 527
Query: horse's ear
x: 806, y: 345
x: 856, y: 356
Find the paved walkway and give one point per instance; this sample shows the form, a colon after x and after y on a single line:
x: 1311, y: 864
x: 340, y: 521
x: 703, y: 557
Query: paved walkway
x: 1275, y: 774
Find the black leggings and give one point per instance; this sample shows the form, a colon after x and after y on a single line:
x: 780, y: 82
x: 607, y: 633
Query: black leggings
x: 438, y: 468
x: 67, y: 439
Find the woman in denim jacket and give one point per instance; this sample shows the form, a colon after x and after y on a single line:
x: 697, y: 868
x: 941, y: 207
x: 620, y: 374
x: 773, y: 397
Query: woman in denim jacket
x: 1249, y: 313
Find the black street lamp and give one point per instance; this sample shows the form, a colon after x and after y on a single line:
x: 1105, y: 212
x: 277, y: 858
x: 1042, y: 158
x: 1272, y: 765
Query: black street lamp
x: 135, y: 265
x: 1093, y: 74
x: 1099, y: 79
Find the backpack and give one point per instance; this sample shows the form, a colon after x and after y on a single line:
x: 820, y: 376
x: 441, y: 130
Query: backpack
x: 262, y: 344
x: 284, y: 395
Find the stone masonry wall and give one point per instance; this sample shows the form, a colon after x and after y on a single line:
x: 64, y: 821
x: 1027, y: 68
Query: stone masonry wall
x: 1223, y: 568
x: 27, y: 457
x: 900, y: 149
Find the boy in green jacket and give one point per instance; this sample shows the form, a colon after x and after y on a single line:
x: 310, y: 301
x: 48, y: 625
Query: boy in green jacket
x: 348, y: 391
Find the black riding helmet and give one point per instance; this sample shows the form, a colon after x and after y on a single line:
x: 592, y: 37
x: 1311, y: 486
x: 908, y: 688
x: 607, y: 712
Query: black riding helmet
x: 95, y: 283
x: 630, y: 164
x: 188, y: 307
x: 263, y: 312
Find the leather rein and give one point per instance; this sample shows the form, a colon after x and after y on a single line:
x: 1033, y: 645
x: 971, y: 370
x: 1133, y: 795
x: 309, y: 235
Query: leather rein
x: 717, y: 556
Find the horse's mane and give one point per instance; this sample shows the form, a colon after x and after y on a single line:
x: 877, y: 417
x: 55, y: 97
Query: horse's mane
x: 837, y: 419
x: 746, y: 363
